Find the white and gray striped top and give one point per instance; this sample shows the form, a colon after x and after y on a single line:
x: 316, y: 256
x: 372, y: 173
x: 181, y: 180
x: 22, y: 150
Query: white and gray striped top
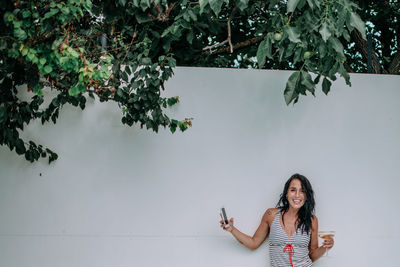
x: 278, y: 240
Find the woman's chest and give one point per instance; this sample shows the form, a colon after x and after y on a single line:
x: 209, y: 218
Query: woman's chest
x: 279, y: 236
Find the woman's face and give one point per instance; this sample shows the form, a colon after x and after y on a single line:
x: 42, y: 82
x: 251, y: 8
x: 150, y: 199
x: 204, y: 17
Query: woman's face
x: 295, y: 194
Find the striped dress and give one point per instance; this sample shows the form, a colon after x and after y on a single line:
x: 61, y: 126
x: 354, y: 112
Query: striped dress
x: 282, y: 248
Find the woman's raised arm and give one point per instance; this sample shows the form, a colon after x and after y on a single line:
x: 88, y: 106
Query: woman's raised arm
x: 252, y: 242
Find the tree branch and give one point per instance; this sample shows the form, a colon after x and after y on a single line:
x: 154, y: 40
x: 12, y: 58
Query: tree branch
x: 248, y: 42
x: 228, y: 39
x: 363, y: 47
x: 163, y: 17
x: 229, y: 28
x: 348, y: 68
x: 210, y: 47
x: 395, y: 65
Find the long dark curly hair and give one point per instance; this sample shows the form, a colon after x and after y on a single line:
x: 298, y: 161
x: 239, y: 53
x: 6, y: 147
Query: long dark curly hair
x: 306, y: 212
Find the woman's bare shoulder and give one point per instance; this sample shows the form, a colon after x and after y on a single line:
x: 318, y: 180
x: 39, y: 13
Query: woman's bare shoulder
x: 270, y: 214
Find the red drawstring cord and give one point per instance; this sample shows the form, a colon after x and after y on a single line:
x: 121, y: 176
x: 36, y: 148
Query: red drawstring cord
x: 291, y: 252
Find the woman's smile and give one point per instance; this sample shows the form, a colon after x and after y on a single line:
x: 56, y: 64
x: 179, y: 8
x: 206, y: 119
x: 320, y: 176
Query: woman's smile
x: 295, y: 194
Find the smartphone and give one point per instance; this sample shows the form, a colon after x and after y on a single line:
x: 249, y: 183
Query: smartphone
x: 224, y: 215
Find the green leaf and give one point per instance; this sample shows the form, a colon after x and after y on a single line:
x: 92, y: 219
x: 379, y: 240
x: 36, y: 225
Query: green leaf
x: 326, y: 85
x: 128, y: 70
x: 186, y: 16
x: 346, y: 35
x: 142, y: 18
x: 168, y: 30
x: 185, y: 24
x: 322, y: 49
x: 55, y: 102
x: 20, y: 34
x: 20, y: 147
x: 38, y: 90
x: 332, y: 71
x: 338, y: 47
x: 298, y: 55
x: 73, y: 52
x: 342, y: 71
x: 65, y: 10
x: 26, y: 14
x: 73, y: 91
x: 171, y: 62
x: 290, y: 92
x: 324, y: 31
x: 144, y: 4
x: 262, y: 53
x: 42, y: 61
x: 172, y: 127
x: 293, y: 33
x: 120, y: 92
x: 172, y: 101
x: 291, y: 5
x: 182, y: 126
x: 189, y: 37
x: 35, y: 59
x: 146, y: 61
x: 243, y: 4
x: 48, y: 69
x: 281, y: 53
x: 3, y: 114
x: 316, y: 80
x: 202, y: 3
x: 51, y: 13
x: 310, y: 3
x: 216, y: 5
x: 307, y: 81
x: 290, y: 50
x: 192, y: 15
x: 24, y: 51
x: 53, y: 156
x: 356, y: 22
x: 125, y: 76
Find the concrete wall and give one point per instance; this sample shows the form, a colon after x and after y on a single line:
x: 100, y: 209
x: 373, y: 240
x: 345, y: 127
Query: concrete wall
x: 120, y: 196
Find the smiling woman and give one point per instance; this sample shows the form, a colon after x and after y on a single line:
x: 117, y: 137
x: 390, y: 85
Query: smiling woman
x: 292, y: 227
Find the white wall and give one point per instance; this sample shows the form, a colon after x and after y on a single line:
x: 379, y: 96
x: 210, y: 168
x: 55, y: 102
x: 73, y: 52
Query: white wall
x: 120, y: 196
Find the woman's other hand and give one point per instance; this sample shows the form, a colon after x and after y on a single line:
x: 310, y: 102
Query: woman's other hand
x: 328, y: 243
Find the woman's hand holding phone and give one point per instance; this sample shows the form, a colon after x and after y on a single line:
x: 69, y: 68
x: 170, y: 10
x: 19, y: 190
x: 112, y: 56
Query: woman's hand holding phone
x: 225, y: 224
x: 227, y: 227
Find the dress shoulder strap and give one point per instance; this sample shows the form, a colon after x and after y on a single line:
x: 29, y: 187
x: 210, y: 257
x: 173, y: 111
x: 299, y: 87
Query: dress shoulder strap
x: 277, y: 217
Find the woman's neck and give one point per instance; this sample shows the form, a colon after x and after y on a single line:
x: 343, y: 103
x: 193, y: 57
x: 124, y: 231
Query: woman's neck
x: 292, y: 213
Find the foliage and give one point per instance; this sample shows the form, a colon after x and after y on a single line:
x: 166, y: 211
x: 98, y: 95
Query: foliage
x: 124, y: 51
x: 382, y: 18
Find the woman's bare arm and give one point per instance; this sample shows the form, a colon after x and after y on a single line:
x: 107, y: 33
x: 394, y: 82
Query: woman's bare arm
x: 253, y: 242
x: 315, y: 251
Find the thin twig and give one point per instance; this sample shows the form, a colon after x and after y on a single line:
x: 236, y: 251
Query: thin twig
x: 163, y: 17
x: 215, y: 45
x: 229, y: 28
x: 236, y: 46
x: 228, y: 39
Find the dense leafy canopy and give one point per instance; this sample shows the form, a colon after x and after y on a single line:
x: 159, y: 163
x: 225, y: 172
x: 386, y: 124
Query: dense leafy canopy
x: 124, y: 51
